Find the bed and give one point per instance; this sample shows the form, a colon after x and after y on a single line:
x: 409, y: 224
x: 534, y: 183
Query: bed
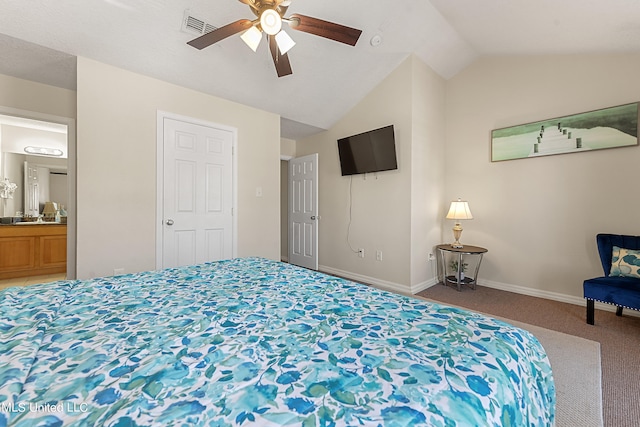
x: 254, y: 342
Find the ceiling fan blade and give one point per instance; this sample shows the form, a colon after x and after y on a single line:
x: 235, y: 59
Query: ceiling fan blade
x: 326, y: 29
x: 283, y: 67
x: 221, y: 33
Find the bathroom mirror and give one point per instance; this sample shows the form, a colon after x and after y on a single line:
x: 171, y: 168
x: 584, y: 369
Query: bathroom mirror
x: 35, y: 151
x: 51, y: 174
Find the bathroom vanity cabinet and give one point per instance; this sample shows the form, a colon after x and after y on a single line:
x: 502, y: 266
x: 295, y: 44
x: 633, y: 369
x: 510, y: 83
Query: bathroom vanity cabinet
x: 32, y: 249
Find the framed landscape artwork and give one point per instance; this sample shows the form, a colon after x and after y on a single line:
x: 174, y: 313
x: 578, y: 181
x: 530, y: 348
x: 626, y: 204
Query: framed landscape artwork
x: 594, y: 130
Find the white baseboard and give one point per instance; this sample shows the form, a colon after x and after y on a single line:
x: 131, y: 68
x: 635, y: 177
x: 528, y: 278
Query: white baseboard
x: 423, y: 285
x: 412, y: 290
x: 554, y: 296
x: 383, y: 284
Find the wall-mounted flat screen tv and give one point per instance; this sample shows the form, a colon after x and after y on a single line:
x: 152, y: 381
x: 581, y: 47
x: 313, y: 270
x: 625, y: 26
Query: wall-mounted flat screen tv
x: 372, y: 151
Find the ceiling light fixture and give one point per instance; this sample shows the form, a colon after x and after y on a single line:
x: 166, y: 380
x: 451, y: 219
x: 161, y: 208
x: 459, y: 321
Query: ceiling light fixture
x: 284, y: 41
x: 271, y: 22
x: 43, y: 151
x: 252, y: 37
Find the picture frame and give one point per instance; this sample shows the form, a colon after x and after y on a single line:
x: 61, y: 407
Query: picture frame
x: 610, y: 127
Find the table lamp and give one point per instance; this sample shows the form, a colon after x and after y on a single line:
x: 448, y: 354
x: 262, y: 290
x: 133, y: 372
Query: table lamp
x: 457, y: 211
x: 49, y: 211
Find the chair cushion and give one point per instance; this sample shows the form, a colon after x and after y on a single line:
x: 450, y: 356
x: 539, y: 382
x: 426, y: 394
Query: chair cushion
x: 625, y: 262
x: 618, y: 290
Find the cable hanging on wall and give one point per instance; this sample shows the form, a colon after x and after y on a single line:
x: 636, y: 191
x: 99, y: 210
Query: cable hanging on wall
x: 350, y: 213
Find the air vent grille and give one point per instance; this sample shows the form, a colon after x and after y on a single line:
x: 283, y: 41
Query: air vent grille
x: 191, y: 24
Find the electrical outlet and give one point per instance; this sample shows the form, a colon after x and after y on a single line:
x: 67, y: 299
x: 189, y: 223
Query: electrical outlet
x: 432, y: 257
x: 361, y: 252
x: 379, y: 255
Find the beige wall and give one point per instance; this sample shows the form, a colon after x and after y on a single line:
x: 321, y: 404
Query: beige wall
x: 16, y: 138
x: 287, y: 151
x: 427, y: 172
x: 382, y: 209
x: 117, y: 114
x: 287, y: 147
x: 539, y: 217
x: 40, y: 98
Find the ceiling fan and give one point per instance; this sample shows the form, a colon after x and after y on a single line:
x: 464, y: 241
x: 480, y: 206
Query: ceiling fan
x: 270, y: 16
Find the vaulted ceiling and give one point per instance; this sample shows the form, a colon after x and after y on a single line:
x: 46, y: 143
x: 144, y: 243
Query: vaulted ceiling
x: 39, y: 40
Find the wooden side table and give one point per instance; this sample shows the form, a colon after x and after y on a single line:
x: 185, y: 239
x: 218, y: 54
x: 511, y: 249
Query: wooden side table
x: 459, y: 278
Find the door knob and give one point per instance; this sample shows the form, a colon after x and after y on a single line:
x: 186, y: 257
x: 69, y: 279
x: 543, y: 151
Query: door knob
x: 169, y: 222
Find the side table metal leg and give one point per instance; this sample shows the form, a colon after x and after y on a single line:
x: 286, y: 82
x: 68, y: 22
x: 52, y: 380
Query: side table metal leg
x: 475, y: 276
x: 459, y: 271
x: 444, y: 268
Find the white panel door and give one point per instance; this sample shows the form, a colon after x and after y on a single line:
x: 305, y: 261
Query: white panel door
x: 303, y: 211
x: 197, y: 194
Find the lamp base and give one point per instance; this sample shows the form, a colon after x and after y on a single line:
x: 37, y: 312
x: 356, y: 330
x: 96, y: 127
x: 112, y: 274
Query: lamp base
x: 457, y: 232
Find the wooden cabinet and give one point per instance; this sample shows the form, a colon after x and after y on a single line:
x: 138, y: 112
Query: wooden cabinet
x: 32, y: 250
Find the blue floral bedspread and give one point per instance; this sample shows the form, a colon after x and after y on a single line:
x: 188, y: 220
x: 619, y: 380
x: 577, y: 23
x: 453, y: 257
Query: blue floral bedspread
x: 260, y: 343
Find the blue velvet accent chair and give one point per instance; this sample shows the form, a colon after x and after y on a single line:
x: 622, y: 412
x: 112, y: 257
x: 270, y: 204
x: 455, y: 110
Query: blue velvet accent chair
x: 621, y: 291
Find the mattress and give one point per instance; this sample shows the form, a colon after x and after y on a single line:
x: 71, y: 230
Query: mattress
x: 254, y: 342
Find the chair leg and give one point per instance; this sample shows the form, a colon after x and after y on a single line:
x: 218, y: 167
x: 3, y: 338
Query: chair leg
x: 590, y: 310
x: 619, y: 310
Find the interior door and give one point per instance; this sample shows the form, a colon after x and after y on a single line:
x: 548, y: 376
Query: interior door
x: 197, y: 194
x: 303, y: 211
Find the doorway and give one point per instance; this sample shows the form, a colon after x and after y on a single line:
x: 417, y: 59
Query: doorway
x: 284, y: 208
x: 14, y: 121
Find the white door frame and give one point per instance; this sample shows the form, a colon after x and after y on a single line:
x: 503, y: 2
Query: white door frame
x: 161, y: 115
x: 71, y: 176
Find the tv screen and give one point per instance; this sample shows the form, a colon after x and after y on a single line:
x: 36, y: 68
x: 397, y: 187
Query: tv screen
x: 372, y: 151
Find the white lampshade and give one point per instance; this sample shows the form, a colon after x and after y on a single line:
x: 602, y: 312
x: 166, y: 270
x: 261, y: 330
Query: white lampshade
x: 459, y: 210
x: 252, y: 38
x: 271, y: 22
x: 285, y: 43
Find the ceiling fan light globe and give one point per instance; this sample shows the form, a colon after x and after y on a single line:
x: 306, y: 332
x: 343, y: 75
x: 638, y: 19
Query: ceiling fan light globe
x: 285, y: 42
x: 271, y: 22
x: 252, y: 37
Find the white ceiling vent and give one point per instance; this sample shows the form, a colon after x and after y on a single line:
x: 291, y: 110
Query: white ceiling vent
x: 193, y: 25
